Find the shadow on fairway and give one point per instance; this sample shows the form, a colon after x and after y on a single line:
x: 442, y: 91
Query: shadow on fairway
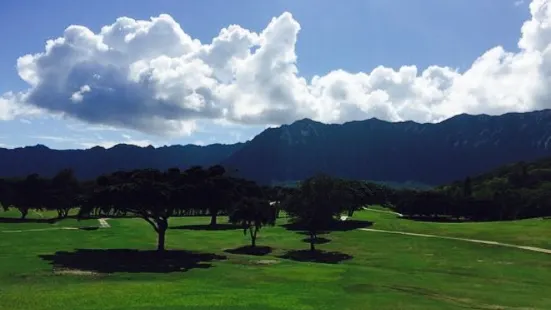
x: 126, y: 260
x: 89, y: 228
x: 19, y: 220
x: 208, y: 227
x: 436, y: 219
x: 334, y: 226
x: 248, y: 250
x: 316, y: 256
x: 318, y: 240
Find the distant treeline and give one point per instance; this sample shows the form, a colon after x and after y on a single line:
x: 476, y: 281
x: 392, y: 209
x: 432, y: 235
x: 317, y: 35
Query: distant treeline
x: 520, y: 190
x: 516, y: 191
x: 412, y: 185
x: 156, y: 196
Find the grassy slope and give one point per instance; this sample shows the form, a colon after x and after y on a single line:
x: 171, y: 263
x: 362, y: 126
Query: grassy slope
x: 387, y: 272
x: 531, y: 232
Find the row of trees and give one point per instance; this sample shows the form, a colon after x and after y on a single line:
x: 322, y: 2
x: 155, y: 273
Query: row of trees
x: 511, y: 192
x: 59, y: 193
x: 315, y: 204
x: 156, y: 196
x: 438, y: 205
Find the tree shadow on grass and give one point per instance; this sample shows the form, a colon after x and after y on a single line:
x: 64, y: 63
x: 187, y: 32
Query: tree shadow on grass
x: 89, y: 228
x: 318, y: 240
x: 334, y: 226
x: 438, y: 219
x: 316, y: 256
x: 20, y: 220
x: 208, y: 227
x: 248, y: 250
x: 127, y: 260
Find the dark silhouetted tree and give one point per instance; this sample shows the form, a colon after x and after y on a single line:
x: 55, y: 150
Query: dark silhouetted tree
x: 6, y: 194
x: 358, y: 195
x: 63, y: 192
x: 145, y: 193
x: 467, y: 187
x: 252, y: 214
x: 316, y: 204
x: 217, y: 192
x: 30, y: 193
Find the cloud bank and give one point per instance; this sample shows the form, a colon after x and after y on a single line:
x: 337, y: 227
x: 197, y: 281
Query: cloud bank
x: 151, y: 76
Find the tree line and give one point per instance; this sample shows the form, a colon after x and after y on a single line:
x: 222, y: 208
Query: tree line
x: 156, y: 196
x: 516, y: 191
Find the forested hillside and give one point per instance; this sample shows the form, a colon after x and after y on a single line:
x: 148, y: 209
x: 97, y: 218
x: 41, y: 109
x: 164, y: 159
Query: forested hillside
x: 513, y: 191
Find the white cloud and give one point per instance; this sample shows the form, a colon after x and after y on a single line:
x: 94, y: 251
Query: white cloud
x: 13, y: 105
x: 77, y: 96
x: 79, y: 127
x: 97, y: 140
x: 149, y: 75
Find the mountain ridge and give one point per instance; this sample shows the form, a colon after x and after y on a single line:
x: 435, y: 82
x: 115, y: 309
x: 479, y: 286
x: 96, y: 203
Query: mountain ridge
x: 431, y: 153
x: 400, y: 151
x: 303, y: 120
x: 119, y: 145
x: 92, y: 162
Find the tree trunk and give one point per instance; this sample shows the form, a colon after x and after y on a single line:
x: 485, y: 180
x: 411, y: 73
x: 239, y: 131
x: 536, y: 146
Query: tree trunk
x: 62, y: 213
x: 213, y: 219
x: 312, y: 242
x: 161, y: 240
x: 24, y: 213
x: 162, y: 225
x: 253, y: 237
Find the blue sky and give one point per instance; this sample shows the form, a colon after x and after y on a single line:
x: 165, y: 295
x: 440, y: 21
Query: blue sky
x: 354, y: 36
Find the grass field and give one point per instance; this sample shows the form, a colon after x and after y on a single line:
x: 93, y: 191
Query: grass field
x: 385, y: 272
x: 531, y: 232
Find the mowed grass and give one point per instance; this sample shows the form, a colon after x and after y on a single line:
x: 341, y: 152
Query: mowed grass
x: 386, y: 272
x: 530, y: 232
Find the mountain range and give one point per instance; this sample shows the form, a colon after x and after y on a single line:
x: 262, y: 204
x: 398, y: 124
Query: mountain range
x: 430, y: 153
x: 90, y: 163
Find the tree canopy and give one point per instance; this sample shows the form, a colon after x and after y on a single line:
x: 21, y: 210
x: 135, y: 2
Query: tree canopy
x: 316, y: 204
x: 253, y: 213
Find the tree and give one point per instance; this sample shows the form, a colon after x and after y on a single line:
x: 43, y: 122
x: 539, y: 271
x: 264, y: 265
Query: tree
x: 63, y: 192
x: 252, y: 214
x: 316, y: 204
x: 30, y: 193
x: 359, y: 195
x: 212, y: 190
x: 508, y: 203
x: 217, y: 190
x: 467, y: 187
x: 276, y: 195
x: 146, y: 193
x: 7, y: 194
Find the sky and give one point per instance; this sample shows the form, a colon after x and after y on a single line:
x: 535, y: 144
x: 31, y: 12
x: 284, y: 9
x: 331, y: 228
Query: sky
x: 75, y: 74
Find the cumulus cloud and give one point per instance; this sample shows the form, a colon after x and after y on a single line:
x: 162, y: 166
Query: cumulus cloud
x: 13, y: 105
x: 7, y: 106
x: 151, y: 76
